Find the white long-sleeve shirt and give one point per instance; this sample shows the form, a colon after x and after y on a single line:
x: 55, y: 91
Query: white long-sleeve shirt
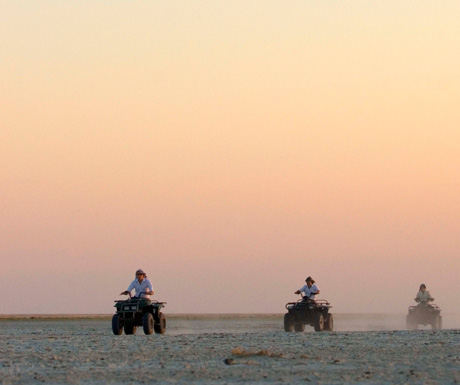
x: 141, y: 287
x: 308, y: 291
x: 423, y: 297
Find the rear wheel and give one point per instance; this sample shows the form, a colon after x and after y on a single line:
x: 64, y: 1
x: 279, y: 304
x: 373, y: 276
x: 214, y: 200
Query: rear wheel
x: 436, y: 324
x: 160, y: 327
x: 288, y: 326
x: 117, y: 325
x: 329, y: 323
x: 147, y: 323
x: 129, y: 329
x: 319, y: 322
x: 410, y: 324
x: 299, y: 327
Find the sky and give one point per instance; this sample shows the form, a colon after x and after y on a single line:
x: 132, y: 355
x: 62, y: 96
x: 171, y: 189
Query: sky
x: 229, y: 149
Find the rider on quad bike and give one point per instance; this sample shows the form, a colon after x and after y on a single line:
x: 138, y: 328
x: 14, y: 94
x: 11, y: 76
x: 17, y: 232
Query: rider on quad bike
x: 139, y: 310
x: 423, y: 296
x: 425, y: 313
x: 141, y: 284
x: 309, y: 290
x: 308, y: 310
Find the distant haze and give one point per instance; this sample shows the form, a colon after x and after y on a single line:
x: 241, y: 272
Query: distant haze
x: 230, y: 149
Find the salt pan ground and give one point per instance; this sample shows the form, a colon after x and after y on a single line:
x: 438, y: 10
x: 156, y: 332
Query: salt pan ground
x: 199, y: 351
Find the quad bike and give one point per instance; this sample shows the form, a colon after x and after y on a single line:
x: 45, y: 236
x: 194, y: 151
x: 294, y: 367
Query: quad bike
x: 308, y: 312
x: 136, y: 311
x: 424, y: 314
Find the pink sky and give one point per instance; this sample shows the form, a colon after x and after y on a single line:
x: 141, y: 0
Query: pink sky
x: 230, y: 150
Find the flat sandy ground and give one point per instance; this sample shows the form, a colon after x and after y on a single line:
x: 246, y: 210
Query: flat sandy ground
x: 201, y: 351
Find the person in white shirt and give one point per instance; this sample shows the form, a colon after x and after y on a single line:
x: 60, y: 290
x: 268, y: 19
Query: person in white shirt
x: 309, y: 290
x: 423, y: 296
x: 141, y: 284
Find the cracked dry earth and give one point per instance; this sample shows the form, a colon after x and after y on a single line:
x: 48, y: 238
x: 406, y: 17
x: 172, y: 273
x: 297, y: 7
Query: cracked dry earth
x: 86, y: 352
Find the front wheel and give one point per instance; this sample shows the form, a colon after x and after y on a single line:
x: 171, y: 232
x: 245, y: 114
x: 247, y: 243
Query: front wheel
x: 147, y: 323
x: 117, y: 325
x: 129, y: 329
x: 288, y: 326
x: 329, y: 323
x: 160, y: 326
x: 319, y: 322
x: 436, y: 324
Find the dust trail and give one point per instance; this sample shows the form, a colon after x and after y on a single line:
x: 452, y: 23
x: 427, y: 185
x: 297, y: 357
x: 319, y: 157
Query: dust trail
x: 248, y: 323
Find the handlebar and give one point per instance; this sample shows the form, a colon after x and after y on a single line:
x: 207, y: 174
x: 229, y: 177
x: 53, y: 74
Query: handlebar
x: 130, y: 296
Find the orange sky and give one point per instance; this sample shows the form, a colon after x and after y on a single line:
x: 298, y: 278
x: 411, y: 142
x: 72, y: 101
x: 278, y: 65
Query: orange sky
x: 230, y: 150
